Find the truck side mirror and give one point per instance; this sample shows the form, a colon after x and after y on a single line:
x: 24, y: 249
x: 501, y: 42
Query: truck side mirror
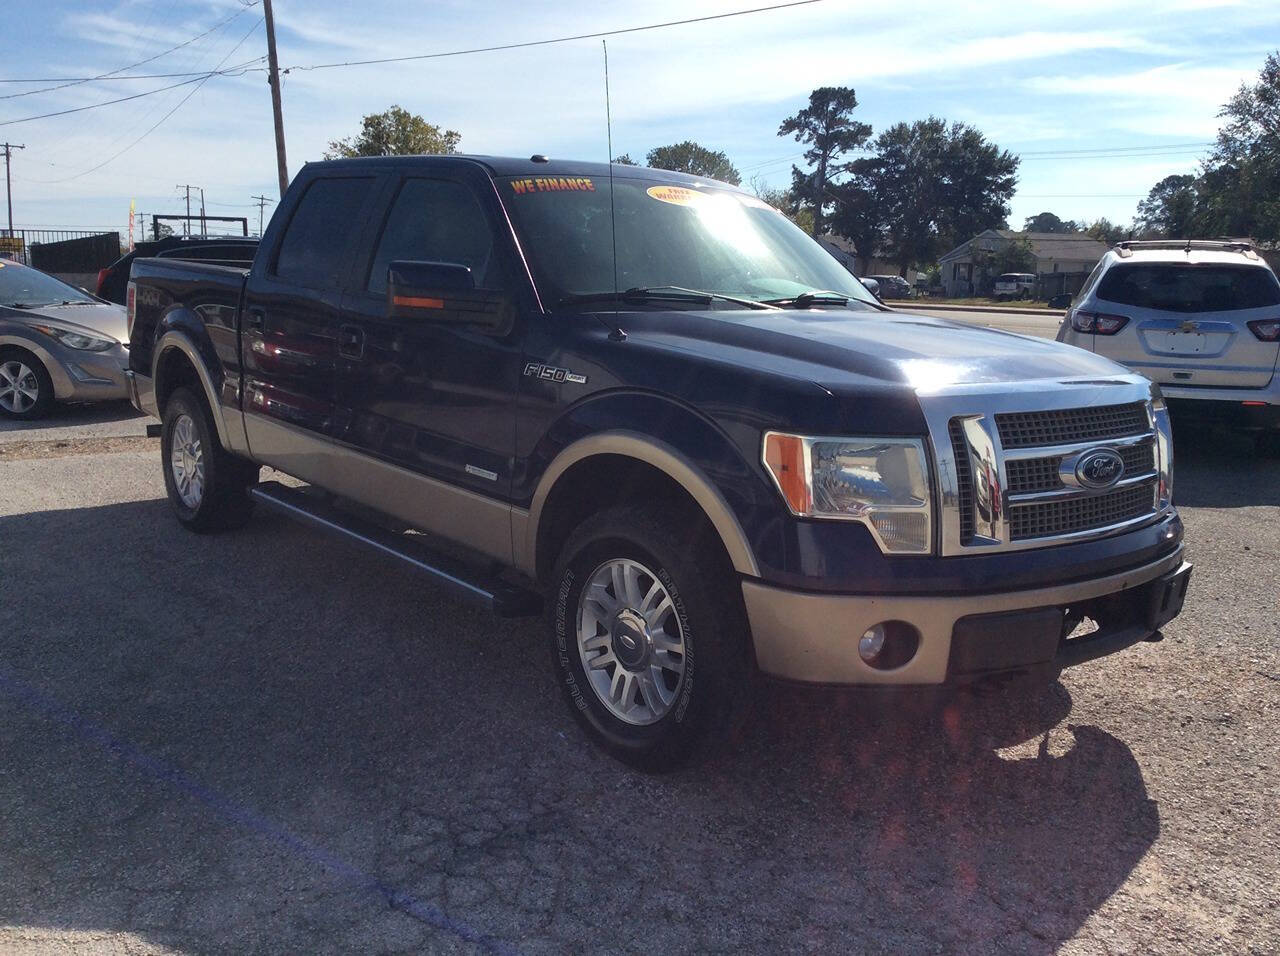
x: 444, y: 292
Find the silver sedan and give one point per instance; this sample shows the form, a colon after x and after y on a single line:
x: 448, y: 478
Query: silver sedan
x: 57, y: 343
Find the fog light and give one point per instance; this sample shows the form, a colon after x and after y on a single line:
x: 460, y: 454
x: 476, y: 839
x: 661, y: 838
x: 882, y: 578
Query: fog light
x: 889, y: 644
x: 872, y: 643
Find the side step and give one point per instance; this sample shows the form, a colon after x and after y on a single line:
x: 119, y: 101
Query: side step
x: 503, y: 599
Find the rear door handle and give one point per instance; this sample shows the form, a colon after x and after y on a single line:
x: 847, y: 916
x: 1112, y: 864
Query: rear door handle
x: 351, y: 341
x: 255, y: 318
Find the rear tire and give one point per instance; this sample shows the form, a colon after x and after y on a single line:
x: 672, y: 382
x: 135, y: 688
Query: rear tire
x: 26, y: 390
x: 659, y: 596
x: 208, y: 488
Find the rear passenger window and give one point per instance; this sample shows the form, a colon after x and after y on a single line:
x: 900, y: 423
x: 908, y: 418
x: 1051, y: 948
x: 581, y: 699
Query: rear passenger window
x: 1190, y: 288
x: 315, y: 242
x: 433, y: 220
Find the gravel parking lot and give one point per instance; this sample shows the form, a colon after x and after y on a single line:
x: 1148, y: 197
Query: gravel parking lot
x: 270, y: 742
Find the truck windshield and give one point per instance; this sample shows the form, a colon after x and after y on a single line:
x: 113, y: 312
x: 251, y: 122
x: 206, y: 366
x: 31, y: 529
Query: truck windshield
x: 714, y: 240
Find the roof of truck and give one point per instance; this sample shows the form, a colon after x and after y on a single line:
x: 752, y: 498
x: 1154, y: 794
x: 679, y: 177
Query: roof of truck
x: 527, y: 165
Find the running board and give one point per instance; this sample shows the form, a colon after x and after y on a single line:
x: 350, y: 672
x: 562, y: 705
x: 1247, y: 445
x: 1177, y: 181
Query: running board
x: 472, y: 584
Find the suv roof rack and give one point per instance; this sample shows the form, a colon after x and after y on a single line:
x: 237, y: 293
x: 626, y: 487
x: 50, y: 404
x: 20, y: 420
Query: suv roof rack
x: 1127, y: 247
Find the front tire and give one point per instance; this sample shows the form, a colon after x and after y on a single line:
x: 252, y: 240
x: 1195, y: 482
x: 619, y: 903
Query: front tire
x: 26, y: 390
x: 648, y: 636
x: 207, y: 487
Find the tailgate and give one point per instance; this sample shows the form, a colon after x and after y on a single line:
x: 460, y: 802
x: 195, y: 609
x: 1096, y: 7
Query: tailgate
x: 1209, y: 350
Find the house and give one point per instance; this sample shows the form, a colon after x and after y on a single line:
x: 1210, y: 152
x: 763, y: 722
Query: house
x: 846, y: 253
x: 1063, y: 261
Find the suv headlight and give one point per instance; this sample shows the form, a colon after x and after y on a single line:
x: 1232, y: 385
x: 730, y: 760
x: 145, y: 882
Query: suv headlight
x: 881, y: 482
x: 76, y: 340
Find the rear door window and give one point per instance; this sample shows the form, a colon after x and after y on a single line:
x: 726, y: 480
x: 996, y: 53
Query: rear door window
x: 1177, y: 287
x: 323, y: 227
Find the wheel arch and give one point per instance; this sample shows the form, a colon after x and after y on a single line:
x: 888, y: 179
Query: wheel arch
x: 594, y: 462
x: 178, y: 362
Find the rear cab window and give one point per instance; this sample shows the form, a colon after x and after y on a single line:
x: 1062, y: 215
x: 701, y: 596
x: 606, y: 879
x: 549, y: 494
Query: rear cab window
x: 315, y: 249
x: 1190, y: 288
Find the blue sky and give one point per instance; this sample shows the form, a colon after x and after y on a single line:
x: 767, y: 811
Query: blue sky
x: 1039, y: 79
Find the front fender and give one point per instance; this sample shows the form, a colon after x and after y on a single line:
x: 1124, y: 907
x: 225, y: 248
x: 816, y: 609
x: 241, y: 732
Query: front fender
x: 680, y: 441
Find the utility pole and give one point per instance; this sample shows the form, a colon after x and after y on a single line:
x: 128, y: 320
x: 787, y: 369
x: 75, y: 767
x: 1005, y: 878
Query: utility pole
x: 273, y: 78
x: 262, y: 202
x: 8, y: 183
x: 187, y: 225
x: 204, y: 226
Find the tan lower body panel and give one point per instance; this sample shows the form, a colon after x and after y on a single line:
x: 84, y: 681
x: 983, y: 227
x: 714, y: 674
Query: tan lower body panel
x: 811, y: 637
x: 480, y: 523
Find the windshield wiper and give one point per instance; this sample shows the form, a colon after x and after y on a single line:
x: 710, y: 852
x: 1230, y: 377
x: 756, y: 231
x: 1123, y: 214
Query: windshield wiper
x: 667, y: 293
x: 815, y: 297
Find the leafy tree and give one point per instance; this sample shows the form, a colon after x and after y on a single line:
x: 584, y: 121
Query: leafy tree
x: 930, y: 186
x: 1048, y: 222
x: 827, y: 127
x: 1170, y: 208
x: 690, y: 157
x: 1240, y: 186
x: 625, y: 160
x: 397, y: 132
x: 1104, y: 230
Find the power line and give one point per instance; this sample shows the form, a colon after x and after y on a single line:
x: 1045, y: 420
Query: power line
x: 111, y: 75
x: 581, y: 36
x: 160, y: 121
x: 200, y: 79
x: 1112, y: 149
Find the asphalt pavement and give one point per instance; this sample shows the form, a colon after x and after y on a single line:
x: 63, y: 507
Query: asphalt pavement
x: 1043, y: 326
x: 266, y: 742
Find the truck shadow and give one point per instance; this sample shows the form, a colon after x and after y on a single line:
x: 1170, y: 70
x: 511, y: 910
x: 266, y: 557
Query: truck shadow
x: 1217, y: 467
x: 63, y: 415
x: 258, y: 741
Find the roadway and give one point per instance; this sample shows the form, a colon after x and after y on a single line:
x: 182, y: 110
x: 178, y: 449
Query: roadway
x: 1045, y: 326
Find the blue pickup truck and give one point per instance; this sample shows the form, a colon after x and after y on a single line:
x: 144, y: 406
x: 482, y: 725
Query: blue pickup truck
x: 648, y: 408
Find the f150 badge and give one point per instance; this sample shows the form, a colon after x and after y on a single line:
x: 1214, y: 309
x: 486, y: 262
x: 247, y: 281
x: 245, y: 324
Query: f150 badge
x: 552, y: 374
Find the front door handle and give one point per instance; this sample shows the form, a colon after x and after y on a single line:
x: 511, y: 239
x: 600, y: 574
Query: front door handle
x: 351, y: 341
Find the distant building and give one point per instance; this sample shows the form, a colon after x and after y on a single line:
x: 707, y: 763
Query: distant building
x: 846, y: 253
x: 1063, y: 260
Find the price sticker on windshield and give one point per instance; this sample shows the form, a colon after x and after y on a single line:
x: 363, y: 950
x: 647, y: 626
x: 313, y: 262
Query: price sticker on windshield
x: 676, y: 195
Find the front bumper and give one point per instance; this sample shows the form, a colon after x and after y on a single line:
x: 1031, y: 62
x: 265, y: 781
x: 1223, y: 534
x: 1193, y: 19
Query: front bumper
x: 813, y: 638
x: 77, y: 375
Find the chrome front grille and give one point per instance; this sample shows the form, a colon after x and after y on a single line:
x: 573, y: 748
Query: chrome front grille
x: 1016, y: 483
x: 1066, y: 426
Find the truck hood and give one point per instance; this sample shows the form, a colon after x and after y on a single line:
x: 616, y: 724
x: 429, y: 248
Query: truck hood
x: 841, y: 347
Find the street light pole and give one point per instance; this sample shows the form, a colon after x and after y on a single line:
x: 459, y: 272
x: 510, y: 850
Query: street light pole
x: 273, y: 78
x: 8, y: 183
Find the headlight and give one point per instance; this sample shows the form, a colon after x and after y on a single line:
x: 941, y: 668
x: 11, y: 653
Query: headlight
x: 76, y: 340
x: 882, y: 482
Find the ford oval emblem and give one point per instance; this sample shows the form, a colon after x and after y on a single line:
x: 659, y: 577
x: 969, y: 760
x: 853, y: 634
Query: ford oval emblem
x: 1099, y: 468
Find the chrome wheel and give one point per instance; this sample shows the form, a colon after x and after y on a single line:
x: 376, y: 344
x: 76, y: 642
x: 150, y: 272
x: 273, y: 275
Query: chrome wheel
x: 19, y: 387
x: 630, y: 641
x: 186, y: 461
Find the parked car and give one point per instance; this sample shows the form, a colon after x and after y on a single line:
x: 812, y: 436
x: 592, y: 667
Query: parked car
x: 1014, y: 285
x: 57, y: 343
x: 709, y: 454
x: 1201, y: 318
x: 893, y: 287
x: 871, y: 285
x: 235, y: 251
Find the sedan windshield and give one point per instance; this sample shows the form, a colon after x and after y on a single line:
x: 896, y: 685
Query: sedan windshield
x: 716, y: 241
x: 24, y: 288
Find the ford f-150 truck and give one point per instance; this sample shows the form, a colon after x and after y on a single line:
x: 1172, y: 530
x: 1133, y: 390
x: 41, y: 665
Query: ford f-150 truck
x: 648, y: 407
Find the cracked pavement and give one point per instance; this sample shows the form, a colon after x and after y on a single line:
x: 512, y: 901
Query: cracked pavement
x: 271, y: 742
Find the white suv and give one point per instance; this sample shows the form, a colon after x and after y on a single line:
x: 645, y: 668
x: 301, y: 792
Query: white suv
x: 1202, y: 319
